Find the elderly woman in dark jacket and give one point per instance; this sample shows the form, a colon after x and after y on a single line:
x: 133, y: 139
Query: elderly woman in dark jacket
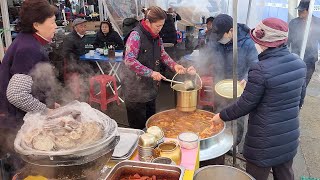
x: 108, y: 36
x: 26, y: 77
x: 273, y: 97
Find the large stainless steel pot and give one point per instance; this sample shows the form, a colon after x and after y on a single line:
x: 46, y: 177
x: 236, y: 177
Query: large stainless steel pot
x: 90, y: 169
x: 204, y: 143
x: 86, y: 161
x: 186, y: 100
x: 221, y: 172
x: 77, y: 156
x: 211, y: 147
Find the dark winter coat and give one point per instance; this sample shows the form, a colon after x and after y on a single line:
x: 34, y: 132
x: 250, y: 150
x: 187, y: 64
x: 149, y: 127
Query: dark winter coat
x: 127, y: 25
x: 272, y: 98
x: 296, y: 34
x: 168, y: 32
x: 111, y: 38
x: 139, y: 88
x: 73, y: 47
x: 222, y: 56
x: 22, y: 56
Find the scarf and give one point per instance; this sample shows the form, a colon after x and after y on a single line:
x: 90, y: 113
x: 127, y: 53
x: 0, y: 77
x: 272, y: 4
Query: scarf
x: 144, y: 25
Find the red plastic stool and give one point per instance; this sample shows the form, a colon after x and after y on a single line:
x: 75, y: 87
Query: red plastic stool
x: 102, y: 97
x: 206, y: 95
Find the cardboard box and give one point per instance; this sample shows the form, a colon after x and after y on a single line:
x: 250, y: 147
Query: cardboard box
x: 93, y: 25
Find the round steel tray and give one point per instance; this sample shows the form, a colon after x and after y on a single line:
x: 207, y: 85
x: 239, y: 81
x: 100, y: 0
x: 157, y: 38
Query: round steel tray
x: 222, y: 146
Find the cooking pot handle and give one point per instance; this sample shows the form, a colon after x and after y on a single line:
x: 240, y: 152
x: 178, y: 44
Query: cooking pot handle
x: 196, y: 75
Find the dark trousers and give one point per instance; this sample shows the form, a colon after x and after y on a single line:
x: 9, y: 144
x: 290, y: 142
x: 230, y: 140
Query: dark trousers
x: 280, y: 172
x: 311, y: 66
x: 139, y: 113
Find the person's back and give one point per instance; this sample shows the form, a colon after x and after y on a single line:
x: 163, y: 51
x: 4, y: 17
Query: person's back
x: 273, y: 127
x: 168, y: 32
x: 272, y: 97
x: 127, y: 25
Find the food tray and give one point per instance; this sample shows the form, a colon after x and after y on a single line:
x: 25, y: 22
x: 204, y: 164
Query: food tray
x: 169, y: 172
x: 138, y: 132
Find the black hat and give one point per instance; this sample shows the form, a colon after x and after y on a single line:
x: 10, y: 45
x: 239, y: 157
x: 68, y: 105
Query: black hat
x: 209, y: 19
x: 221, y: 24
x: 303, y: 5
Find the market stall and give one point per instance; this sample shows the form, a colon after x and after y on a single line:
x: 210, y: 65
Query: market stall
x: 59, y: 145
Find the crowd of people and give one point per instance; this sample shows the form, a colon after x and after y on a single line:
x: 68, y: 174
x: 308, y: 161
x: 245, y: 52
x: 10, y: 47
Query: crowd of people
x: 274, y: 77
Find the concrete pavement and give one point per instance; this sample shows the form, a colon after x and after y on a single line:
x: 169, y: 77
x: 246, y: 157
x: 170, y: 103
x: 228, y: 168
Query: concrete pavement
x: 307, y: 161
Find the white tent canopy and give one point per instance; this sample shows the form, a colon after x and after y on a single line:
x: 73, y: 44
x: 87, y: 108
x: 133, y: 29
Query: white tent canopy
x: 190, y: 11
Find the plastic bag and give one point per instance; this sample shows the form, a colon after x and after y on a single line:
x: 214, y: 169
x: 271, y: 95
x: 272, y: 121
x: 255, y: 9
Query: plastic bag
x: 65, y: 129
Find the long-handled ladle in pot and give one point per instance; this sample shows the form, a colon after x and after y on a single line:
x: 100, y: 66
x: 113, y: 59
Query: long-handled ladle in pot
x: 188, y: 84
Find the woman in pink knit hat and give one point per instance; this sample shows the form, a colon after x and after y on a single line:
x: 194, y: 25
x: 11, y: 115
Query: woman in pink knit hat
x: 273, y: 97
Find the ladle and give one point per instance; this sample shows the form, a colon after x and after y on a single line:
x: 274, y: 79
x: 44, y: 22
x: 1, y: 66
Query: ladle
x: 188, y: 84
x: 177, y: 82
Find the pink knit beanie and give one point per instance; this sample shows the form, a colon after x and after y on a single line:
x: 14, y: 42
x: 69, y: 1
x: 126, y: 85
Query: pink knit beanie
x: 271, y: 32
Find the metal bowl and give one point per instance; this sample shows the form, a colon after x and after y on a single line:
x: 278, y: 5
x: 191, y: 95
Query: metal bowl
x: 225, y: 88
x: 221, y: 172
x: 157, y: 132
x: 147, y: 140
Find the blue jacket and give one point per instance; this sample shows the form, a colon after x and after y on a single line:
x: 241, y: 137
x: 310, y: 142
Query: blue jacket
x: 273, y: 94
x: 222, y: 56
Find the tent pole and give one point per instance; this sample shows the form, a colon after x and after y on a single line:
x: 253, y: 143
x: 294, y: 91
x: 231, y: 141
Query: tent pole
x: 248, y: 12
x: 101, y: 15
x: 6, y: 23
x: 307, y: 29
x: 235, y: 76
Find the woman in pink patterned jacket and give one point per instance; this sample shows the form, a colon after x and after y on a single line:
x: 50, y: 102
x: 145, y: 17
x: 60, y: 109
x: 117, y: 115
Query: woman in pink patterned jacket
x: 140, y: 76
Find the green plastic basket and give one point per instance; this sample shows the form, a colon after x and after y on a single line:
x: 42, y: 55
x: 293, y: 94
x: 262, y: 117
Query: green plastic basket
x: 309, y: 178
